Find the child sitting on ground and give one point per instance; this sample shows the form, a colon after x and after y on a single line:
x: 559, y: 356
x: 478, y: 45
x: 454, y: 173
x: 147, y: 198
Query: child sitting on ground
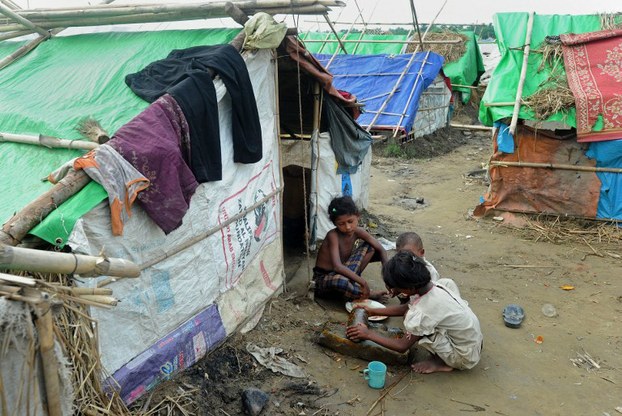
x: 344, y: 254
x: 410, y: 241
x: 438, y: 319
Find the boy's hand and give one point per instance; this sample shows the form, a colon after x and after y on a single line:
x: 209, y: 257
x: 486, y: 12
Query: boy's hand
x: 357, y: 332
x: 365, y: 291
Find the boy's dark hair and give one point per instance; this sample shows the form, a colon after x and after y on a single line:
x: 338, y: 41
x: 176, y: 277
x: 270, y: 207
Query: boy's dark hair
x: 343, y: 205
x: 405, y: 271
x: 408, y: 238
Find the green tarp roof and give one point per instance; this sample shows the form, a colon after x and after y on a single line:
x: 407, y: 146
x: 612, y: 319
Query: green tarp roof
x: 57, y: 84
x: 464, y: 71
x: 511, y: 29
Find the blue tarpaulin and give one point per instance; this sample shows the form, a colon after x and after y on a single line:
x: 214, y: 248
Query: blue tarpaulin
x: 371, y: 78
x: 608, y: 154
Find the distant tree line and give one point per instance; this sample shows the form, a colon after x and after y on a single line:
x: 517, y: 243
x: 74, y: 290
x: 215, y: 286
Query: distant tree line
x: 483, y: 31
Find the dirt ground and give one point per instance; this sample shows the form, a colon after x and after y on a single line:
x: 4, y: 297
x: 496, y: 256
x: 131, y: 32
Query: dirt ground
x: 494, y: 264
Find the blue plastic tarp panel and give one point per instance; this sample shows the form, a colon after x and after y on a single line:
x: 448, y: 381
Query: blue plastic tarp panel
x: 608, y: 154
x: 371, y: 78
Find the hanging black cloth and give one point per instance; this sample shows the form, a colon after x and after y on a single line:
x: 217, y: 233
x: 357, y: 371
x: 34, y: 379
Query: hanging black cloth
x: 186, y: 74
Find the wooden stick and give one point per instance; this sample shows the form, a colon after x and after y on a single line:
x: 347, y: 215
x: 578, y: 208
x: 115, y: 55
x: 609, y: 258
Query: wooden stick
x: 18, y: 280
x: 47, y: 141
x: 386, y: 391
x: 332, y: 28
x: 45, y: 329
x: 22, y: 21
x: 77, y: 291
x: 397, y: 83
x: 555, y: 166
x: 470, y: 127
x: 20, y: 224
x: 107, y: 300
x: 405, y: 42
x: 523, y: 74
x: 17, y: 258
x: 15, y: 34
x: 501, y: 104
x: 208, y: 13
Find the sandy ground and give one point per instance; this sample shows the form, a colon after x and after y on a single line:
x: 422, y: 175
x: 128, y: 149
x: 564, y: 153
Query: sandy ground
x: 494, y: 265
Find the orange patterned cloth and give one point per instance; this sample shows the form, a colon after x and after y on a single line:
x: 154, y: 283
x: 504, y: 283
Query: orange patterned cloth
x: 593, y: 63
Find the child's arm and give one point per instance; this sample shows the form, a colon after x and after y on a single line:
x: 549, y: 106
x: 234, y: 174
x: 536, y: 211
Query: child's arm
x: 361, y: 233
x: 339, y: 267
x: 360, y: 332
x: 393, y: 310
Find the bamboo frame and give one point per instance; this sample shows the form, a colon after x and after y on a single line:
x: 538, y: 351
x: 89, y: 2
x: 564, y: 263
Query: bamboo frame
x: 23, y: 22
x: 502, y: 164
x: 523, y: 75
x: 17, y: 258
x: 104, y: 15
x: 412, y: 93
x: 406, y: 69
x: 47, y: 141
x: 332, y: 28
x: 407, y: 42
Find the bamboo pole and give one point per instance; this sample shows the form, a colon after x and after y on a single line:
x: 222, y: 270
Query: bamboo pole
x: 22, y: 21
x: 15, y: 229
x: 16, y: 34
x: 45, y: 329
x: 395, y: 87
x: 523, y: 75
x: 17, y: 280
x: 23, y: 50
x: 555, y: 166
x: 412, y: 93
x: 17, y: 258
x: 47, y: 141
x: 332, y: 28
x: 407, y: 42
x: 470, y: 127
x: 183, y: 12
x: 194, y: 240
x: 502, y: 104
x: 106, y: 10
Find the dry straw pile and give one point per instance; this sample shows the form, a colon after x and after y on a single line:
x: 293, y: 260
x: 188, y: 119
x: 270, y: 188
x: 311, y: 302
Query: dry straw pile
x: 450, y: 51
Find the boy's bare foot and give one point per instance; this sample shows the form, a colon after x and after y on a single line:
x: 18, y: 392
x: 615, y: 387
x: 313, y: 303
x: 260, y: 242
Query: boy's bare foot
x: 381, y: 296
x: 432, y: 365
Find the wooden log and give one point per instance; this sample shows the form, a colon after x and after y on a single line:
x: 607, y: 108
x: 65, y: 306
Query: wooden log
x: 45, y: 329
x: 17, y: 258
x: 523, y: 75
x: 21, y: 223
x: 500, y: 163
x: 47, y: 141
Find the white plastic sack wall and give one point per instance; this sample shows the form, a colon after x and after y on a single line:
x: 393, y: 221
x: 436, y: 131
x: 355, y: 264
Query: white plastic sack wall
x: 433, y: 108
x: 184, y: 306
x: 330, y: 184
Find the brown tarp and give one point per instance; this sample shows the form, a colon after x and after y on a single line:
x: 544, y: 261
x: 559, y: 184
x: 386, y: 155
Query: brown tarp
x: 542, y: 190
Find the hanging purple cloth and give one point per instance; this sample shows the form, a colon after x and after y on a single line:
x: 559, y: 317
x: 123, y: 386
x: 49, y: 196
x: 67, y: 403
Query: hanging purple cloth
x: 157, y: 142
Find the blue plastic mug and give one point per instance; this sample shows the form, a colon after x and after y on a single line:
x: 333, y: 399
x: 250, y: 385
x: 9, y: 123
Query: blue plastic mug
x: 375, y: 374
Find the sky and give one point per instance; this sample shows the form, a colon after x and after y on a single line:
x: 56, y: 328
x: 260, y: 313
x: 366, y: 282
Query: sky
x: 398, y: 11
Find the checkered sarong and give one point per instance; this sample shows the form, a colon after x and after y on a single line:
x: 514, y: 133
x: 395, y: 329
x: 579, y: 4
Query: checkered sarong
x: 327, y: 282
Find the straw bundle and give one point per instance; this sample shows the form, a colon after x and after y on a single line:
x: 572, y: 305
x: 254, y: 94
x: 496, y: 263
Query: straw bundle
x: 602, y: 239
x: 90, y: 129
x: 450, y: 51
x: 554, y: 94
x: 75, y: 331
